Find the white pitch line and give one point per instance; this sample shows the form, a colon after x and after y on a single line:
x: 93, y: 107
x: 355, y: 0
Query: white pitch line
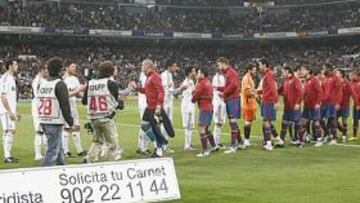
x: 253, y: 136
x: 176, y: 129
x: 256, y: 137
x: 348, y: 145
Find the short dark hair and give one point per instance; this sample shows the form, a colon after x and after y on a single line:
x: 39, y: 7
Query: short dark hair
x: 328, y: 66
x: 305, y: 67
x: 106, y: 69
x: 68, y: 62
x: 223, y: 60
x: 289, y: 69
x: 356, y: 72
x: 264, y: 61
x: 188, y: 70
x: 315, y: 71
x: 54, y: 66
x: 297, y: 68
x: 343, y: 73
x: 42, y: 66
x: 170, y: 62
x: 249, y: 67
x: 204, y: 71
x: 9, y: 63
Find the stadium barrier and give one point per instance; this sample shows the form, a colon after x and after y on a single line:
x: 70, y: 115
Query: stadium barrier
x: 176, y: 35
x: 147, y: 180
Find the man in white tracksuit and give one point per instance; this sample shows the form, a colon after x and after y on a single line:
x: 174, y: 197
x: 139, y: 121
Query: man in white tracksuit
x: 40, y: 138
x: 75, y: 89
x: 188, y: 107
x: 219, y: 106
x: 142, y: 138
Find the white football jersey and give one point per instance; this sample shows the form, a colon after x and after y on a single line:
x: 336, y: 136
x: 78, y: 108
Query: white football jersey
x: 100, y: 101
x: 48, y: 107
x: 218, y: 81
x: 168, y: 84
x: 187, y: 93
x: 35, y: 85
x: 72, y: 83
x: 141, y: 97
x: 8, y: 87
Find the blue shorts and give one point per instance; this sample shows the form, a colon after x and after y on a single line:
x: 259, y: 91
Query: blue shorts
x: 343, y: 112
x: 268, y: 112
x: 356, y: 114
x: 313, y: 114
x: 233, y: 108
x: 292, y: 115
x: 205, y: 118
x: 328, y: 111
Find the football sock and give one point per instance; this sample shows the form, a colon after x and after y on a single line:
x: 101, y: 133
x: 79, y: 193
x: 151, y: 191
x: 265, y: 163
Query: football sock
x: 77, y: 141
x: 65, y: 141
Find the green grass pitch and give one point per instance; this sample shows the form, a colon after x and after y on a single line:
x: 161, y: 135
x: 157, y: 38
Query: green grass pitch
x: 329, y: 174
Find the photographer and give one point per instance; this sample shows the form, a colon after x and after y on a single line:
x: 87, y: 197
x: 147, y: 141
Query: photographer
x: 101, y: 98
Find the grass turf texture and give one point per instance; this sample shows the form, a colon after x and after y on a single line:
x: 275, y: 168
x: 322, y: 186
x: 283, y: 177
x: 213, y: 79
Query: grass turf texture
x: 328, y: 174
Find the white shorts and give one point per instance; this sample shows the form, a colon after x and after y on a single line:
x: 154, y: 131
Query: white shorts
x: 75, y: 115
x: 188, y: 119
x: 219, y: 116
x: 6, y: 122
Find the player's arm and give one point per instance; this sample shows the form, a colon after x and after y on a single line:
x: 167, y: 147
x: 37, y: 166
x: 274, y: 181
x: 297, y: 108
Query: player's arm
x: 197, y: 93
x: 180, y: 89
x: 230, y: 88
x: 338, y: 88
x: 114, y: 89
x: 355, y: 95
x: 318, y: 89
x: 62, y: 95
x: 298, y: 94
x: 77, y: 91
x: 6, y: 105
x: 5, y: 102
x: 260, y: 87
x: 138, y: 87
x: 164, y: 82
x: 280, y: 90
x: 161, y: 93
x: 84, y: 100
x: 273, y: 86
x: 124, y: 92
x: 215, y: 85
x: 249, y: 92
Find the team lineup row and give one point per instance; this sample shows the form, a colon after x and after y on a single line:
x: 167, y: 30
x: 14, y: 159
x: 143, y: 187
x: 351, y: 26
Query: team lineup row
x: 325, y: 96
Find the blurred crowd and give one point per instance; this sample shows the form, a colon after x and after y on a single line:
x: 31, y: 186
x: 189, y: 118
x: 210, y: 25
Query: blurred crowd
x: 128, y: 60
x: 237, y: 2
x: 210, y: 3
x: 170, y: 19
